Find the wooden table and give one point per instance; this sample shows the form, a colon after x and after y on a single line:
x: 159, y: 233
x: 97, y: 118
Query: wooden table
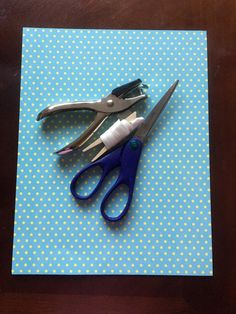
x: 126, y: 294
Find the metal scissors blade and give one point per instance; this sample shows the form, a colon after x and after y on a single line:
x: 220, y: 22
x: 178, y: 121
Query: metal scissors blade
x: 152, y: 117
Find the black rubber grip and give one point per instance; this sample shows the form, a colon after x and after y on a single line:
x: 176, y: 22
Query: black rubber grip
x: 124, y: 89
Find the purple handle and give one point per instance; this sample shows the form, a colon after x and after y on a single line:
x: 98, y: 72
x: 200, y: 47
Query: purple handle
x: 107, y: 163
x: 129, y: 163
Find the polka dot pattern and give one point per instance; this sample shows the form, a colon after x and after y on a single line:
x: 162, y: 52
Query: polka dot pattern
x: 168, y: 228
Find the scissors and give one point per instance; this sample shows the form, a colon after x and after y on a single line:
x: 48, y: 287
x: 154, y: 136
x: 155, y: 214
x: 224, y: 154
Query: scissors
x: 126, y: 157
x: 120, y: 99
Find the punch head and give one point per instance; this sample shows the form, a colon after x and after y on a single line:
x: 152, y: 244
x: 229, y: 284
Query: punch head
x: 126, y: 88
x: 136, y: 87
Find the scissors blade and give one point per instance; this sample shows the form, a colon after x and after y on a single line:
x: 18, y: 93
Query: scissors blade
x: 152, y: 117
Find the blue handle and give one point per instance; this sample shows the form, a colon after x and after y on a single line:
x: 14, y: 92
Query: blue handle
x: 129, y: 163
x: 107, y: 163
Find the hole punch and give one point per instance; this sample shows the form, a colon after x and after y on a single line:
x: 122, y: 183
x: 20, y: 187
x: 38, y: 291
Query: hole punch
x: 115, y: 102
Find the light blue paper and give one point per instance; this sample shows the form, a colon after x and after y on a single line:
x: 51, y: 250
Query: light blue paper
x: 168, y: 228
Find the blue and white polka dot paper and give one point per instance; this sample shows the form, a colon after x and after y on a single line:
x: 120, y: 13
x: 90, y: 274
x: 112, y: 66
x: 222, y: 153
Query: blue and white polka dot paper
x: 168, y: 228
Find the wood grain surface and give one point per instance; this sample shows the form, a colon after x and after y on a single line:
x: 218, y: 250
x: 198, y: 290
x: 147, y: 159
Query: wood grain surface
x: 126, y: 294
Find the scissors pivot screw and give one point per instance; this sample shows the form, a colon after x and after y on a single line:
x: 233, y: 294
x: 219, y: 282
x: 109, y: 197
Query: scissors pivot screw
x: 134, y: 144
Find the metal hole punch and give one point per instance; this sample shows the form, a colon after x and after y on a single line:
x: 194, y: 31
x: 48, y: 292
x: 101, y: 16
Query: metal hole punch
x: 120, y: 99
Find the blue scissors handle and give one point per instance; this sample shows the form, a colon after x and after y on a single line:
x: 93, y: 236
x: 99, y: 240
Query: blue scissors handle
x: 107, y: 163
x: 127, y: 157
x: 128, y: 168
